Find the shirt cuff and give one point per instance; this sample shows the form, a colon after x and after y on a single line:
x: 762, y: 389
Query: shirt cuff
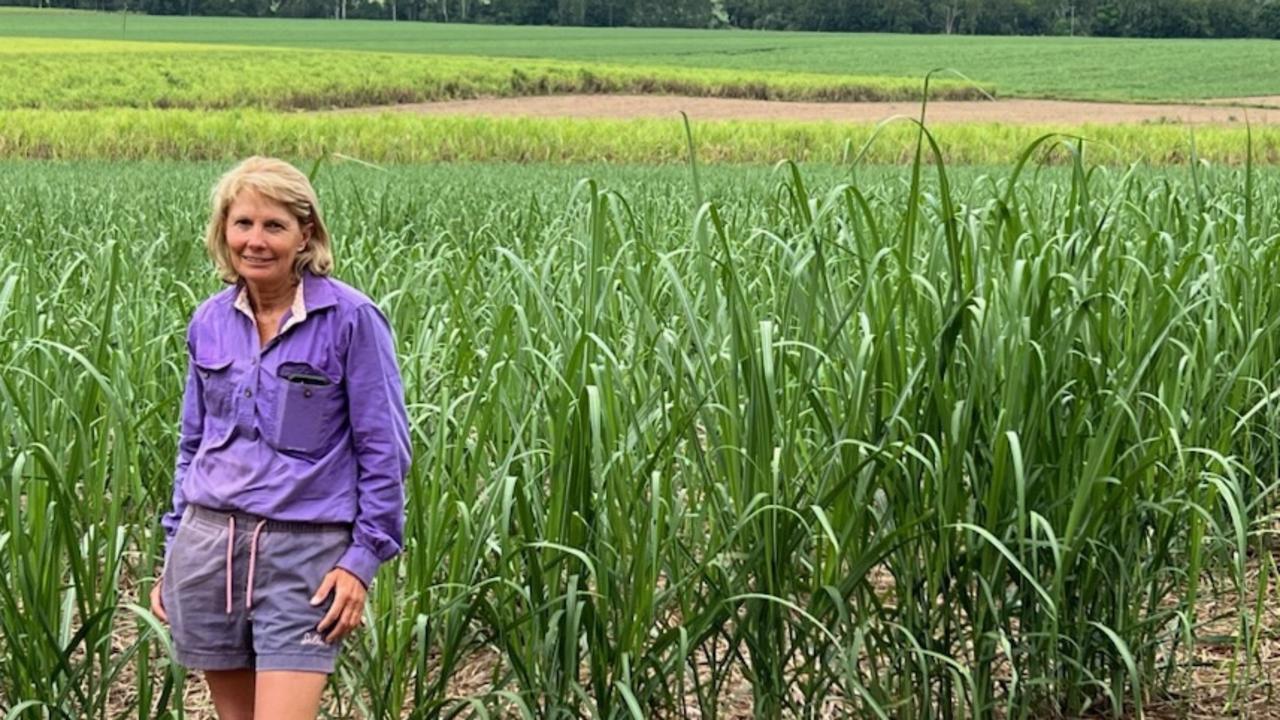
x: 361, y: 562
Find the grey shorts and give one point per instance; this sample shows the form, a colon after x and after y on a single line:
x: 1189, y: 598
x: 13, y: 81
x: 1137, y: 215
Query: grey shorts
x: 221, y: 621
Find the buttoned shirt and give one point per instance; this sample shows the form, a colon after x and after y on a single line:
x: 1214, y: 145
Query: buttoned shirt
x: 310, y: 427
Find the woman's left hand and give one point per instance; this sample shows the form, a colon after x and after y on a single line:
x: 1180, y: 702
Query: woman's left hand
x: 347, y: 611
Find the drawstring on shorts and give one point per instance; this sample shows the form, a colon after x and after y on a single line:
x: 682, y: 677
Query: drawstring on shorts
x: 253, y: 558
x: 228, y: 519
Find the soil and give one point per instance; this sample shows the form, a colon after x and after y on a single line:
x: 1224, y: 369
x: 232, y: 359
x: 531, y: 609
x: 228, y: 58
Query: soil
x: 1227, y: 111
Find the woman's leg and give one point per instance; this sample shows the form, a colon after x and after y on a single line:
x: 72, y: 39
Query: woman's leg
x: 232, y: 692
x: 288, y: 695
x: 292, y: 658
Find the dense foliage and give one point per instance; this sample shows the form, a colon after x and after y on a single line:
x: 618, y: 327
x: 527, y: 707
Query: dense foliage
x: 132, y: 134
x: 1127, y: 18
x: 89, y: 74
x: 874, y: 444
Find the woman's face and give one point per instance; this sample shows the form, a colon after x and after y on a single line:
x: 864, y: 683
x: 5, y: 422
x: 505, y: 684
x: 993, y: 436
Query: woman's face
x: 264, y: 239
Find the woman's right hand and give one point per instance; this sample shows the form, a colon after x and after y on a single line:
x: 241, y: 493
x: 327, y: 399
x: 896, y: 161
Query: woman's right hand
x: 157, y: 602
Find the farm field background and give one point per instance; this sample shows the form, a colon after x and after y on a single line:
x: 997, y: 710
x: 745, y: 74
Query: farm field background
x: 85, y: 74
x: 132, y: 134
x: 985, y: 429
x: 81, y: 99
x: 1078, y: 68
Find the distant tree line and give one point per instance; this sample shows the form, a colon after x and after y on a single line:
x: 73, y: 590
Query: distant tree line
x: 1116, y: 18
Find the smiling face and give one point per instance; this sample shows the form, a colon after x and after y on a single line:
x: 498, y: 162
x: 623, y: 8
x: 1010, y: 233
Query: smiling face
x: 264, y: 239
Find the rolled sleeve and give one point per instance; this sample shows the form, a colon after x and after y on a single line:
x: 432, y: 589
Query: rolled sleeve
x: 190, y: 431
x: 380, y: 436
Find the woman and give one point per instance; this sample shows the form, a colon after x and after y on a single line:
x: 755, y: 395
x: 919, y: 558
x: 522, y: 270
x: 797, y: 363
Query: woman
x: 288, y: 492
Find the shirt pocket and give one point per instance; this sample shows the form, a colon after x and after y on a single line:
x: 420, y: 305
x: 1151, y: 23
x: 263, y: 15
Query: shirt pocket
x: 310, y: 409
x: 217, y: 386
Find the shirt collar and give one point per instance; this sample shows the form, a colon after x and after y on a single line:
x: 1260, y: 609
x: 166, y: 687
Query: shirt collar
x: 319, y: 292
x: 242, y: 300
x: 312, y: 294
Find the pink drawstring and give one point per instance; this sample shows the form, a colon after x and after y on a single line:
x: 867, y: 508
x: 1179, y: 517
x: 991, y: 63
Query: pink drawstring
x: 253, y: 559
x: 231, y: 540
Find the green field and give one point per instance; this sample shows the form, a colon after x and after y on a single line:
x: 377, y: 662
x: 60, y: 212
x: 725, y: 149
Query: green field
x: 134, y: 100
x: 87, y: 74
x: 109, y: 134
x: 1092, y: 68
x: 986, y: 434
x: 875, y: 448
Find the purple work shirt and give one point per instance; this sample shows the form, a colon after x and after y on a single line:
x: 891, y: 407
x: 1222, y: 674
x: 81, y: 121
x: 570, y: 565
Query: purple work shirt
x: 310, y: 428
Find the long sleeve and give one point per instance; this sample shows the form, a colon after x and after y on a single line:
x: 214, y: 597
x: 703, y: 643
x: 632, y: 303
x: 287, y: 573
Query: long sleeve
x: 190, y: 431
x: 380, y: 435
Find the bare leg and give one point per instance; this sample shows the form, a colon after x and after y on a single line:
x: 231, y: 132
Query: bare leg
x: 288, y: 695
x: 232, y: 692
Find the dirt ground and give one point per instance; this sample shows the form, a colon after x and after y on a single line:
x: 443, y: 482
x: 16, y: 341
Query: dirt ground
x: 1258, y: 110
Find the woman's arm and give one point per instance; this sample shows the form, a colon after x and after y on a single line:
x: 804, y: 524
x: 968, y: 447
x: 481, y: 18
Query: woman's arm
x: 380, y: 435
x: 190, y: 430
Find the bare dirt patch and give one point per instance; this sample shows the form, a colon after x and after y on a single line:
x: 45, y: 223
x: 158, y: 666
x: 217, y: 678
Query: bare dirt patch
x: 1262, y: 101
x: 1258, y: 111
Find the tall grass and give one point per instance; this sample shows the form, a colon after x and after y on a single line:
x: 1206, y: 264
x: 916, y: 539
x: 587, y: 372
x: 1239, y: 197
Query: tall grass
x: 127, y: 134
x: 90, y: 74
x: 925, y: 444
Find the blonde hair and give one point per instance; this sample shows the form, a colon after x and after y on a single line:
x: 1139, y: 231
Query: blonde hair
x: 281, y: 182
